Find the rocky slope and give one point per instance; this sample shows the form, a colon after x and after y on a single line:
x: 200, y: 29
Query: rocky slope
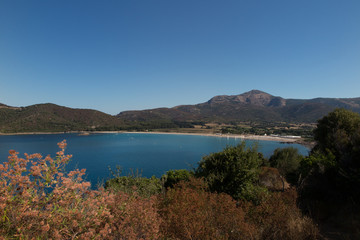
x: 254, y: 105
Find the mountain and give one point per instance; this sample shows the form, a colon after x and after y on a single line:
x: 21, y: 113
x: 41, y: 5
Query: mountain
x: 51, y: 117
x: 254, y: 105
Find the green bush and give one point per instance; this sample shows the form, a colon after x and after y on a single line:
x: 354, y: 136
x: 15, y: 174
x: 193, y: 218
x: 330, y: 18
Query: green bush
x: 234, y: 171
x: 172, y: 177
x: 287, y: 161
x: 145, y: 187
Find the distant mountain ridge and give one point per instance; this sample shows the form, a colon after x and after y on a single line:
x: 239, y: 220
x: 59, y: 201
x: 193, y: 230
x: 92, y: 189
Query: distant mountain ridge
x: 254, y: 105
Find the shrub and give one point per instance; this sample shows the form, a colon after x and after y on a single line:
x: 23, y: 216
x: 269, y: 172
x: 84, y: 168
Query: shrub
x: 277, y: 217
x: 173, y: 177
x: 190, y: 212
x: 287, y: 161
x: 272, y: 180
x: 144, y: 187
x: 234, y: 171
x: 41, y: 202
x: 134, y: 217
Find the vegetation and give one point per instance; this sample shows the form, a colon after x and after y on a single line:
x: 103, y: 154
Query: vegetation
x: 337, y: 152
x: 54, y: 118
x: 254, y: 106
x: 234, y: 171
x: 172, y: 177
x: 339, y: 134
x: 261, y: 113
x: 190, y: 212
x: 287, y: 161
x: 330, y: 184
x: 223, y: 199
x: 274, y: 128
x: 142, y: 186
x: 40, y: 201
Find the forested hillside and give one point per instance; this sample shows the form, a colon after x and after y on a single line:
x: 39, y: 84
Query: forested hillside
x: 54, y: 118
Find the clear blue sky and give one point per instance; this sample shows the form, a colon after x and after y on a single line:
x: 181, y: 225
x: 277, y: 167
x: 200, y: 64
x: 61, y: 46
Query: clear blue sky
x: 137, y: 54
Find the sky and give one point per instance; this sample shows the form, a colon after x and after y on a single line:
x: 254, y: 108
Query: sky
x: 122, y: 55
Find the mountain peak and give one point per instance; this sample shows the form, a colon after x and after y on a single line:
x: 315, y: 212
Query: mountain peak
x: 253, y: 97
x: 255, y: 91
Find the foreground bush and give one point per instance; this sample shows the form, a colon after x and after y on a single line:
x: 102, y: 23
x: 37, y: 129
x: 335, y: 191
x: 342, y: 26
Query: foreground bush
x: 39, y: 201
x: 144, y: 187
x: 172, y: 177
x: 234, y: 171
x: 190, y: 212
x: 278, y: 217
x: 287, y: 161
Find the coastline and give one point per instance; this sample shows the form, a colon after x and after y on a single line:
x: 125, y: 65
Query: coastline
x: 241, y: 136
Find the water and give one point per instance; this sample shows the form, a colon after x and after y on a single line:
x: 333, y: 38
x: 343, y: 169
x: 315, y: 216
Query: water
x: 152, y: 154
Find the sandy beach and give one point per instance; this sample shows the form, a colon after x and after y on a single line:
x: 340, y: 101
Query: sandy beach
x: 241, y: 136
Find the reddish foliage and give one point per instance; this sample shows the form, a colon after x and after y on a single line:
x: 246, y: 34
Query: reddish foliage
x: 278, y: 217
x: 40, y: 201
x: 190, y: 212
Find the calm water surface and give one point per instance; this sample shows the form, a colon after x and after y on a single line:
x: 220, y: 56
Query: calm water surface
x: 153, y: 154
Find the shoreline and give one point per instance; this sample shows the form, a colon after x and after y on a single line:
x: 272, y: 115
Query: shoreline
x: 241, y: 136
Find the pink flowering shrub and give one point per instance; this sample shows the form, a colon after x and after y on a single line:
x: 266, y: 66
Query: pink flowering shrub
x: 39, y: 201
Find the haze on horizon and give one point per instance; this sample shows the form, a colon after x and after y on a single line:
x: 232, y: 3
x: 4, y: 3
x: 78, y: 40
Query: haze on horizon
x: 125, y: 55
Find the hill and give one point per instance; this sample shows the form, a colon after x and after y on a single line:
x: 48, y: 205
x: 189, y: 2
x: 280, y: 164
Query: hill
x: 254, y: 105
x: 50, y: 117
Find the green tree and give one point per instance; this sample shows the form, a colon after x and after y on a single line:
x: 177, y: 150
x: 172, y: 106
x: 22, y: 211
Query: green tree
x: 338, y: 134
x: 330, y: 184
x: 173, y: 177
x: 234, y: 171
x: 287, y: 161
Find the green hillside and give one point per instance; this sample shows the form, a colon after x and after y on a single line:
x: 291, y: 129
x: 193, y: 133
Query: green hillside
x: 51, y: 117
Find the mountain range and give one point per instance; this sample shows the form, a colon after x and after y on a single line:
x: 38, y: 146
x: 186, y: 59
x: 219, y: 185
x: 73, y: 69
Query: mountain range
x: 255, y: 106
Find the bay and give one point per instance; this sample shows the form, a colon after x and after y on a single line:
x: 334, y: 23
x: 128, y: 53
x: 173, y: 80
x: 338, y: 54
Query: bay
x: 151, y: 154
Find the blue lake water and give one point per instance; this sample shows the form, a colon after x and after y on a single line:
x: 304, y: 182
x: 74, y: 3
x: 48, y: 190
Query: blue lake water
x: 153, y: 154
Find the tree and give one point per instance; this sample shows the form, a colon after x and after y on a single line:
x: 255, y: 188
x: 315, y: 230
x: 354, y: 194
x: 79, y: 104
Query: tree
x: 287, y: 161
x: 234, y: 171
x: 338, y: 134
x: 331, y: 174
x: 173, y: 177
